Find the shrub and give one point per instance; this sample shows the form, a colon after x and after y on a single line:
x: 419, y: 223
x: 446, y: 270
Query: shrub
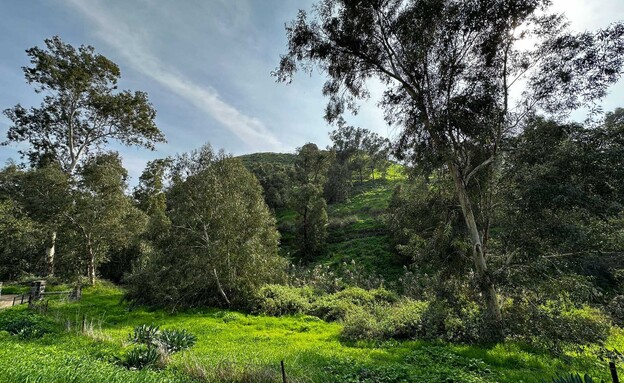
x: 361, y: 324
x: 280, y: 300
x: 616, y: 309
x: 401, y: 320
x: 404, y: 319
x: 25, y: 324
x: 554, y: 324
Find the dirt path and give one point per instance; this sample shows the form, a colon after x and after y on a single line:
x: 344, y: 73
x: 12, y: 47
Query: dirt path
x: 6, y: 300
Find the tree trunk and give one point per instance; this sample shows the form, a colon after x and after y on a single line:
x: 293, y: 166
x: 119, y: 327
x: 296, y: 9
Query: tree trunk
x: 485, y: 282
x: 91, y: 265
x: 50, y: 252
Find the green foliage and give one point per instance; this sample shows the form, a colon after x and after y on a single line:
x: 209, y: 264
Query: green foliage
x: 401, y: 320
x: 283, y: 300
x: 81, y: 99
x: 555, y: 324
x: 25, y: 324
x: 222, y: 246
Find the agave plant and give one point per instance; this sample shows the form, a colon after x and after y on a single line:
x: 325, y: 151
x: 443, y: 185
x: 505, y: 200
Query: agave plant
x: 142, y: 356
x: 145, y: 334
x: 176, y: 340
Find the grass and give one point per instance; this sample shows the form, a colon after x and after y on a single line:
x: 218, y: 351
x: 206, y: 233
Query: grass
x: 231, y: 344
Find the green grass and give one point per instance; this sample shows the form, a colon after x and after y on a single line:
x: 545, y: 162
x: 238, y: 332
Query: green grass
x: 311, y: 349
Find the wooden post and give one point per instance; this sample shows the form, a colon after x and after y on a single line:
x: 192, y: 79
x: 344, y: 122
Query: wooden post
x: 22, y: 301
x: 14, y: 298
x: 283, y: 372
x: 614, y: 375
x: 84, y: 322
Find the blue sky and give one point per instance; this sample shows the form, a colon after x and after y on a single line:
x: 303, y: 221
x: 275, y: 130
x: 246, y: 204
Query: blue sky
x: 206, y: 67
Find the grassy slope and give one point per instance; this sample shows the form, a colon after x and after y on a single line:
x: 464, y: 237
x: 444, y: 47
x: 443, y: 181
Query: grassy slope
x: 308, y: 346
x: 356, y: 230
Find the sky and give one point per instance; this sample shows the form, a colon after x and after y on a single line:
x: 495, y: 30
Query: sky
x: 206, y: 66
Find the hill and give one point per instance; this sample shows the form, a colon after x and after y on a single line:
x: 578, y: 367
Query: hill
x: 267, y: 158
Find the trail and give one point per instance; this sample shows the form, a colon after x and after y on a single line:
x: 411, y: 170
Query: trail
x: 6, y: 300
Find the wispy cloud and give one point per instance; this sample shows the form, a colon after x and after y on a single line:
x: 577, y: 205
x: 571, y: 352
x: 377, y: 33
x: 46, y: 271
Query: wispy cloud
x: 131, y: 45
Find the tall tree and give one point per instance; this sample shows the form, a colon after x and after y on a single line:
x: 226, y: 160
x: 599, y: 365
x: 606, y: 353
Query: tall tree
x: 81, y: 111
x: 449, y: 67
x: 307, y: 199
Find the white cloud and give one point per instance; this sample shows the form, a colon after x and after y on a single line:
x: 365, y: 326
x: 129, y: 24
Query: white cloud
x: 130, y: 45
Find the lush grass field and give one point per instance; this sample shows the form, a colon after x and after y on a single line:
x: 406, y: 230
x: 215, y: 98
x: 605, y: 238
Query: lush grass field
x: 236, y: 347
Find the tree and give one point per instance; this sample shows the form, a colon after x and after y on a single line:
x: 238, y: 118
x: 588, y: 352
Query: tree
x: 565, y: 189
x: 81, y: 110
x: 103, y: 218
x: 223, y: 242
x: 449, y: 67
x: 307, y: 199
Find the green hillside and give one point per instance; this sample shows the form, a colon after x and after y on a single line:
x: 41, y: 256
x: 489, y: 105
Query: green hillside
x: 267, y: 158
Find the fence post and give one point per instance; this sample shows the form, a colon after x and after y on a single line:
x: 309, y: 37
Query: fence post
x: 22, y: 301
x: 84, y: 322
x: 283, y: 372
x: 14, y: 298
x: 614, y: 374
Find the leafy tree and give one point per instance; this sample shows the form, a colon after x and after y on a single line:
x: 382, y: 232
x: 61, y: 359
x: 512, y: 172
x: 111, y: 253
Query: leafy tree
x: 307, y: 199
x: 103, y: 218
x: 80, y: 113
x: 21, y: 240
x: 223, y: 243
x: 449, y: 67
x: 565, y: 188
x: 276, y: 181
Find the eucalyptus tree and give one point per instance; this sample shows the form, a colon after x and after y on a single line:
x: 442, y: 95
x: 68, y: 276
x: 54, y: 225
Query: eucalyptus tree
x: 80, y: 113
x: 449, y: 68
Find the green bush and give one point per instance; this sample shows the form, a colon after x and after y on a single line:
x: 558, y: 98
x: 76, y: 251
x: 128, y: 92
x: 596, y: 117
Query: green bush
x: 280, y: 300
x: 460, y: 322
x: 25, y: 324
x: 401, y: 320
x: 362, y: 324
x: 554, y: 324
